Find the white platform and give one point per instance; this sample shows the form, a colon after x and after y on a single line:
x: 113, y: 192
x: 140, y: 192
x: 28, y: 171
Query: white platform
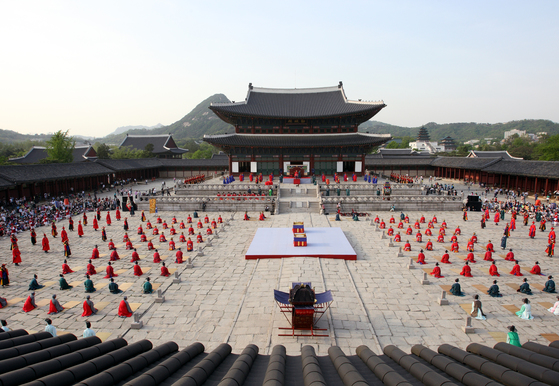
x: 270, y: 243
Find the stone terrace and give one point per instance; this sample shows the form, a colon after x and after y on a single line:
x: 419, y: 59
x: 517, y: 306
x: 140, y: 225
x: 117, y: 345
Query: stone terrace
x: 225, y: 298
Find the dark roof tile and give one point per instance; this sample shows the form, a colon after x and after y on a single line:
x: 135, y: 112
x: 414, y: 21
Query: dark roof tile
x: 298, y: 103
x: 301, y: 140
x: 41, y: 172
x: 161, y: 143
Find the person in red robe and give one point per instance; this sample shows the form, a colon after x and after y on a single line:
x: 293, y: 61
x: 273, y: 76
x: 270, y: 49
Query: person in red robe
x: 150, y: 246
x: 470, y: 257
x: 125, y: 238
x: 416, y: 225
x: 164, y: 270
x: 437, y: 271
x: 108, y: 218
x: 382, y: 225
x: 199, y: 225
x: 489, y: 246
x: 214, y: 224
x: 66, y: 268
x: 182, y: 238
x: 171, y: 245
x: 129, y: 245
x: 516, y: 269
x: 397, y: 238
x: 466, y: 270
x: 390, y: 231
x: 190, y: 230
x: 470, y: 246
x: 164, y: 225
x: 261, y: 217
x: 95, y: 224
x: 140, y: 230
x: 428, y: 232
x: 124, y: 310
x: 155, y: 231
x: 16, y: 255
x: 181, y: 225
x: 45, y: 243
x: 434, y: 220
x: 409, y: 231
x: 377, y: 220
x: 443, y: 224
x: 159, y: 221
x: 419, y: 237
x: 510, y: 256
x: 488, y: 256
x: 497, y: 218
x: 430, y: 225
x: 143, y: 238
x: 474, y: 238
x: 91, y: 269
x: 446, y: 258
x: 29, y: 304
x: 54, y: 306
x: 442, y: 231
x: 551, y: 237
x: 178, y: 256
x: 189, y: 219
x: 493, y: 270
x: 454, y: 247
x: 219, y: 219
x: 458, y: 231
x: 88, y: 307
x: 407, y: 246
x: 422, y: 220
x: 421, y: 257
x: 162, y: 238
x: 172, y: 231
x: 111, y: 245
x: 429, y: 245
x: 110, y: 272
x: 84, y: 219
x: 53, y: 231
x: 80, y: 229
x: 440, y: 239
x: 114, y: 256
x: 95, y: 253
x: 63, y: 235
x: 206, y: 219
x: 209, y: 231
x: 137, y: 269
x: 117, y: 214
x: 135, y: 256
x: 103, y: 234
x: 400, y: 225
x: 199, y: 238
x: 148, y: 225
x: 536, y: 270
x: 453, y: 239
x: 189, y: 245
x: 532, y: 231
x: 156, y: 257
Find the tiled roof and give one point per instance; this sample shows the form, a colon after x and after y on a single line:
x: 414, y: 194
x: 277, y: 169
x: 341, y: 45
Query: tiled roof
x: 547, y: 169
x: 221, y: 161
x: 42, y: 172
x: 130, y: 164
x: 161, y: 143
x: 5, y: 183
x: 65, y: 360
x: 491, y: 154
x: 410, y: 161
x: 464, y: 163
x: 300, y: 140
x: 298, y: 103
x: 39, y: 153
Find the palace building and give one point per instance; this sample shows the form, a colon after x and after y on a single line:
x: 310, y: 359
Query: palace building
x: 310, y: 130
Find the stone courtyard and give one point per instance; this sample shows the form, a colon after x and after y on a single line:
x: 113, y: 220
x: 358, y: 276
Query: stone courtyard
x: 225, y: 298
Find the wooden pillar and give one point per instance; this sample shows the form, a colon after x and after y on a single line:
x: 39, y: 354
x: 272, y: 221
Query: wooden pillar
x: 546, y: 184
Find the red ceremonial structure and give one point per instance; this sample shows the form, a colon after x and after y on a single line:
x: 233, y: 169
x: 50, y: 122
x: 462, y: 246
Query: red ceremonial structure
x: 305, y: 307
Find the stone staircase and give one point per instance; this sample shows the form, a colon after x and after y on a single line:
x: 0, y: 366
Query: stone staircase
x: 301, y: 199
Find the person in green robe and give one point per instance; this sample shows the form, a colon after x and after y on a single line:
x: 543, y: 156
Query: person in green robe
x: 494, y: 290
x: 525, y: 288
x: 327, y: 191
x: 148, y: 289
x: 281, y: 178
x: 195, y: 214
x: 355, y: 217
x: 338, y: 191
x: 63, y: 283
x: 338, y: 217
x: 456, y: 290
x: 538, y: 216
x: 502, y: 214
x: 34, y: 285
x: 549, y: 285
x: 512, y: 337
x: 113, y: 287
x: 347, y: 192
x: 88, y: 284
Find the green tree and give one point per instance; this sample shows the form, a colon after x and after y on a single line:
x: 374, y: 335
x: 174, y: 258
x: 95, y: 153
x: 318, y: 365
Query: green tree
x: 60, y: 147
x: 548, y: 149
x: 148, y: 150
x: 103, y: 150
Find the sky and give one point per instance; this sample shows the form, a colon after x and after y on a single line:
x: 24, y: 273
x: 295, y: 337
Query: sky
x: 93, y: 66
